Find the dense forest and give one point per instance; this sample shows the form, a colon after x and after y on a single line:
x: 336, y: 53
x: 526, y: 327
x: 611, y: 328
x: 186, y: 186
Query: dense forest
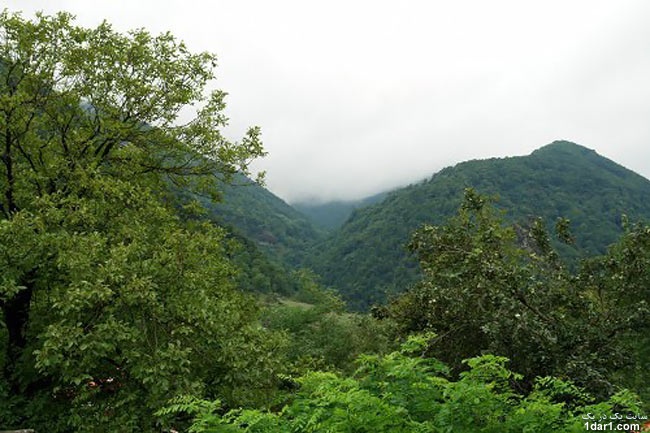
x: 366, y: 258
x: 148, y: 285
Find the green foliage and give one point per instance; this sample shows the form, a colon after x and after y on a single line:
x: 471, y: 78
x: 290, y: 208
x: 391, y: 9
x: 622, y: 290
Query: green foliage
x: 366, y: 259
x: 617, y: 285
x: 270, y: 238
x: 320, y: 333
x: 117, y: 296
x: 311, y: 292
x: 78, y: 98
x: 401, y: 392
x: 111, y: 304
x: 133, y: 308
x: 495, y: 288
x: 258, y: 272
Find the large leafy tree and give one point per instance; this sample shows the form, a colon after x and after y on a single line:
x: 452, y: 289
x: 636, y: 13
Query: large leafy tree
x: 110, y: 304
x: 129, y: 307
x: 502, y: 289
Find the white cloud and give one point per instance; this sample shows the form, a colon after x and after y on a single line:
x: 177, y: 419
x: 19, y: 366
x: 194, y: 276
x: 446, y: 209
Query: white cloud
x: 354, y: 97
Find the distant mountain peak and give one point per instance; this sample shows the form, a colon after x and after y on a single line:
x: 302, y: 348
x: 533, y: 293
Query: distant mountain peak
x: 564, y: 146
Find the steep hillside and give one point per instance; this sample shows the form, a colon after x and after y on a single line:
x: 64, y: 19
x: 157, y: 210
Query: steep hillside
x: 263, y: 218
x: 366, y: 259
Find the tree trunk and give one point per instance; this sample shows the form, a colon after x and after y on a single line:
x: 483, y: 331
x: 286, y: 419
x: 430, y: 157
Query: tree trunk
x: 16, y: 315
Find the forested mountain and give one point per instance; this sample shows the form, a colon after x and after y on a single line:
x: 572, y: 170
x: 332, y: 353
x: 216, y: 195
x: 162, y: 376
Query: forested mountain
x: 263, y: 218
x: 366, y: 258
x: 333, y: 214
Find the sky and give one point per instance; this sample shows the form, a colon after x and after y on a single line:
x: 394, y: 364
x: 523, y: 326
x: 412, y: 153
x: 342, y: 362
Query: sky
x: 358, y: 97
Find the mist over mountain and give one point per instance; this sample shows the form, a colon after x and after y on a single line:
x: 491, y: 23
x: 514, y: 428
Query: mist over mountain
x: 366, y: 260
x: 332, y: 214
x: 358, y: 247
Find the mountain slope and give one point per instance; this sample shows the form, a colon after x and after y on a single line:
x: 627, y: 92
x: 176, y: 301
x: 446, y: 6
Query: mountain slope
x: 263, y: 218
x: 331, y: 215
x: 366, y: 259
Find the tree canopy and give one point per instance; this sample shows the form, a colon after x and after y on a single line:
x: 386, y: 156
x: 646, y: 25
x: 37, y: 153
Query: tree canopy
x: 95, y: 100
x: 490, y: 287
x: 110, y: 303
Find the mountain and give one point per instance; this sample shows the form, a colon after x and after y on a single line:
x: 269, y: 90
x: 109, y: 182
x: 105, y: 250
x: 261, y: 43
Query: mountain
x: 269, y: 237
x: 266, y: 220
x: 331, y: 215
x: 366, y: 259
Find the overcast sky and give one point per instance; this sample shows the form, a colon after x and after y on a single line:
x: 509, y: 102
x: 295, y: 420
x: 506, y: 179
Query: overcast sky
x: 355, y: 97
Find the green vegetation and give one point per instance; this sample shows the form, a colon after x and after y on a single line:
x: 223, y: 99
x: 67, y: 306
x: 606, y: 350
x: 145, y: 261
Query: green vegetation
x: 402, y: 392
x: 367, y: 260
x: 322, y: 335
x: 110, y: 304
x: 257, y: 271
x: 131, y: 303
x: 485, y: 289
x: 271, y: 239
x: 279, y: 230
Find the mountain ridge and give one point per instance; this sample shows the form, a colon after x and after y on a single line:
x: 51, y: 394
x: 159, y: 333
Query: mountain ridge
x: 365, y: 259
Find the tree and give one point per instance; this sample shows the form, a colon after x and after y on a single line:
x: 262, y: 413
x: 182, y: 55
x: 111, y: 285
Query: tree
x: 502, y: 289
x: 617, y: 285
x: 109, y: 302
x: 129, y: 308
